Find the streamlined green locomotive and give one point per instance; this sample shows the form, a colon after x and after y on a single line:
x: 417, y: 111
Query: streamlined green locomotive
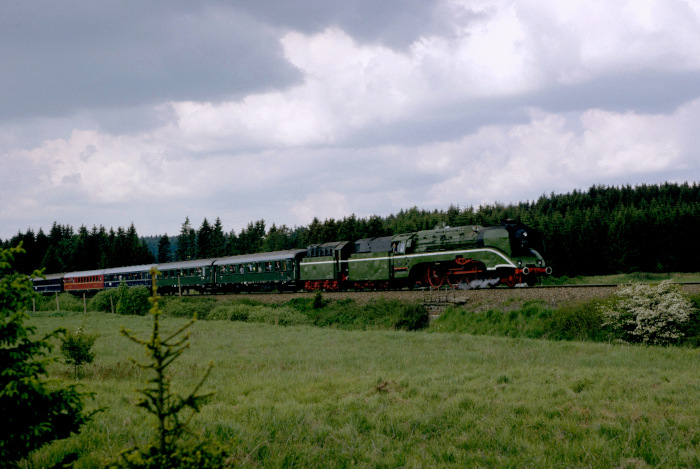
x: 466, y: 256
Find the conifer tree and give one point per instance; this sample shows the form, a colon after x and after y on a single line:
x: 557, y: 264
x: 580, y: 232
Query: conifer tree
x: 218, y: 240
x: 164, y: 249
x: 169, y: 450
x: 35, y: 410
x: 204, y: 238
x: 186, y: 242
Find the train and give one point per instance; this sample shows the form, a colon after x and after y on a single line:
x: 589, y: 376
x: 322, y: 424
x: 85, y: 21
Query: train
x: 445, y: 257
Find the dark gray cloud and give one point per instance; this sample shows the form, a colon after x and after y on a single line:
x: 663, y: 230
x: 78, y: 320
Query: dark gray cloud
x: 650, y: 91
x: 59, y: 57
x: 396, y: 23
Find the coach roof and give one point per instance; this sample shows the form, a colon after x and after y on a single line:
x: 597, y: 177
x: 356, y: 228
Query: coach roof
x: 260, y: 257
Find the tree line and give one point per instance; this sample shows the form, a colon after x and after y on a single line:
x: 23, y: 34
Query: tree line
x: 65, y: 250
x: 604, y: 230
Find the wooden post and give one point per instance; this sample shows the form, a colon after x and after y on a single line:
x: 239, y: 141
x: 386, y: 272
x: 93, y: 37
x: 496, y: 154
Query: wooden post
x: 111, y: 303
x: 58, y: 306
x: 33, y: 305
x: 84, y: 304
x: 179, y: 287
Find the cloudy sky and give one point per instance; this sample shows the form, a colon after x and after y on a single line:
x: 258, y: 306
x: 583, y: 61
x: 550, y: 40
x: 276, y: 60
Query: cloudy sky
x: 115, y: 112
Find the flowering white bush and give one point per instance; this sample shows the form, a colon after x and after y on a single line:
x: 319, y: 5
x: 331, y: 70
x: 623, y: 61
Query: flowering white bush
x: 648, y: 314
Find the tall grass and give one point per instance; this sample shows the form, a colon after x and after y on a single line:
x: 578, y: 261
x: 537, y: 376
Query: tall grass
x: 342, y: 314
x: 323, y: 397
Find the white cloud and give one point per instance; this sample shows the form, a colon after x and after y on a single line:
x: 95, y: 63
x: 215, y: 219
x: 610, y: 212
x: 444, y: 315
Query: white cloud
x: 509, y: 164
x: 103, y: 168
x: 323, y: 205
x: 581, y: 39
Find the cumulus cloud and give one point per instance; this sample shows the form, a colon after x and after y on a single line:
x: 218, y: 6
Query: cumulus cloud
x: 553, y: 152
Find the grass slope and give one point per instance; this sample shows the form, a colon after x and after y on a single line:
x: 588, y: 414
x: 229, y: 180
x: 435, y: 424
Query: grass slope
x: 306, y: 396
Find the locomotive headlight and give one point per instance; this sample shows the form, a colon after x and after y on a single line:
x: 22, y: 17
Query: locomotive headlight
x: 524, y: 234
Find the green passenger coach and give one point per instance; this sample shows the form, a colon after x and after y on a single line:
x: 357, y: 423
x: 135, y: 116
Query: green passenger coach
x: 263, y: 271
x: 185, y: 276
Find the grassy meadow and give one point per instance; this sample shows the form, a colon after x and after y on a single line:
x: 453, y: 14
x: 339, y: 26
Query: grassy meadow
x: 305, y: 396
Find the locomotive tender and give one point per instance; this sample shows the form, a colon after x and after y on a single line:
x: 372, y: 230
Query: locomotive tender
x: 458, y: 257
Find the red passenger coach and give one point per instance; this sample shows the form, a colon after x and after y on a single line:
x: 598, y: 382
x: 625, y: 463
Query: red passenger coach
x: 90, y: 281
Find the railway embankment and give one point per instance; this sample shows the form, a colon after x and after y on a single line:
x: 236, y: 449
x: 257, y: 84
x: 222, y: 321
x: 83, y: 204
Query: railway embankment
x: 476, y: 299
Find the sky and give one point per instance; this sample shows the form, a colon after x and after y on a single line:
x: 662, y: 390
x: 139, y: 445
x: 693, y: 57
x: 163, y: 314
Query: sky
x: 148, y: 112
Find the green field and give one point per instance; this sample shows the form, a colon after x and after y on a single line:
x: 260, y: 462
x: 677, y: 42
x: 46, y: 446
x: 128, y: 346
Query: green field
x: 319, y: 397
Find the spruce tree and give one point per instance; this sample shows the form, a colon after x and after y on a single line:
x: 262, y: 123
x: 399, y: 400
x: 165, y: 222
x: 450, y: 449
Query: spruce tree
x: 35, y: 410
x: 164, y: 249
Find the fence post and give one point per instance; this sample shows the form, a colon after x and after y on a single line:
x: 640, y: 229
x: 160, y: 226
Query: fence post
x: 84, y: 304
x: 58, y: 306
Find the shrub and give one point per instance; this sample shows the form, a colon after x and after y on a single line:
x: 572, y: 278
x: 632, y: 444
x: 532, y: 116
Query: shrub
x: 648, y: 314
x: 318, y: 301
x: 75, y: 348
x: 283, y: 316
x: 692, y: 336
x: 132, y: 301
x: 188, y: 307
x: 414, y: 317
x: 66, y: 302
x: 527, y: 321
x: 105, y: 301
x: 577, y: 321
x: 35, y: 410
x: 347, y: 314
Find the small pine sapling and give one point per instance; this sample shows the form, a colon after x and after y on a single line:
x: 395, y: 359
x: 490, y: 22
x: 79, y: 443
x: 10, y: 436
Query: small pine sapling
x: 169, y: 451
